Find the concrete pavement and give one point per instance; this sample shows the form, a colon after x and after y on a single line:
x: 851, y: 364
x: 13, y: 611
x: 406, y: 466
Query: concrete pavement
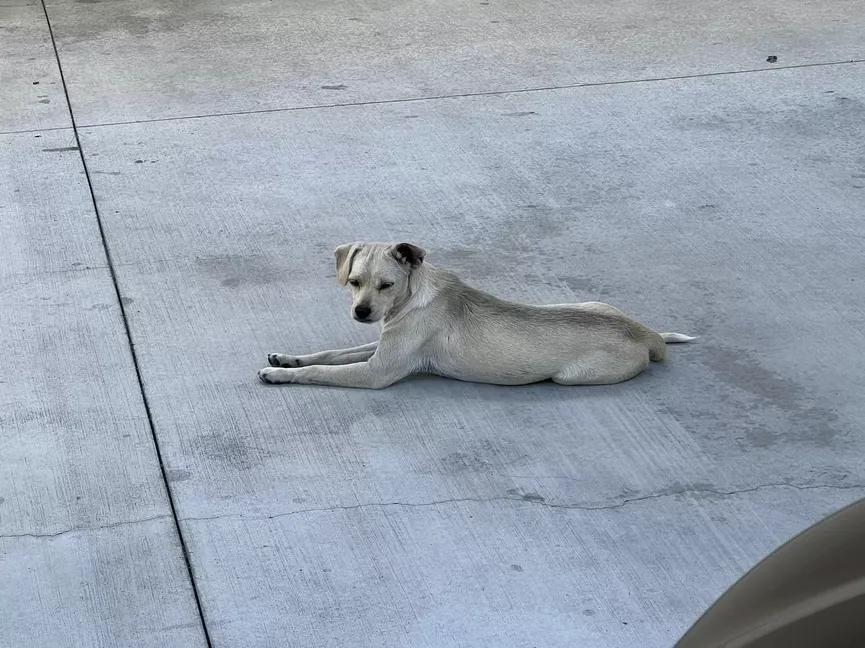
x: 153, y: 493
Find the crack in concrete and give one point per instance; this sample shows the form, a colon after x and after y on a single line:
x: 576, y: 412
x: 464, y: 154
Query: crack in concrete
x: 534, y: 501
x: 113, y: 525
x: 26, y: 276
x: 481, y: 93
x: 25, y: 131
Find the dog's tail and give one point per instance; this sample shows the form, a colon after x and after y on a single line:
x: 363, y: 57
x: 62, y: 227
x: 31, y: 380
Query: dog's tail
x: 676, y: 338
x: 658, y: 344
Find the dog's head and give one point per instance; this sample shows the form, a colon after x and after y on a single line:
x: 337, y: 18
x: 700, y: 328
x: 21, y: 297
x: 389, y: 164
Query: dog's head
x: 378, y: 274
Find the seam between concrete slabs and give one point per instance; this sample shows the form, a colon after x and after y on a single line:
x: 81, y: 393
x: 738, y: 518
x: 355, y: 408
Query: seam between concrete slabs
x: 486, y: 93
x: 130, y: 345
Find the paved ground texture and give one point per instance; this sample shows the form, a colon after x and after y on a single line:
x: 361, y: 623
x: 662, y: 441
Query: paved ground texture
x: 173, y: 179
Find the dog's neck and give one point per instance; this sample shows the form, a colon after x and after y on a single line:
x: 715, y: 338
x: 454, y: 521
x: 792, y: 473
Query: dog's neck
x: 421, y: 289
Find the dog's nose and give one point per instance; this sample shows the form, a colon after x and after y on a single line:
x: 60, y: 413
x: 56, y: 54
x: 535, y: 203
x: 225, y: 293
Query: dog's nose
x: 362, y: 312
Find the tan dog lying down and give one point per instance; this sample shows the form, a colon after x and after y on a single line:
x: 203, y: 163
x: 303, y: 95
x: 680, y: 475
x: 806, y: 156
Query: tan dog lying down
x: 434, y: 323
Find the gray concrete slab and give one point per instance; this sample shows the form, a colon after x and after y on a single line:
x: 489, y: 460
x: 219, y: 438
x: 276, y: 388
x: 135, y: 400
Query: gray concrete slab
x: 486, y: 573
x: 727, y: 207
x: 130, y: 60
x: 47, y: 222
x: 115, y: 587
x: 31, y: 94
x: 89, y: 551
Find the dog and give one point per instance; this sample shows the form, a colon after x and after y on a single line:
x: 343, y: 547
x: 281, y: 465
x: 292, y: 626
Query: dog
x: 432, y: 322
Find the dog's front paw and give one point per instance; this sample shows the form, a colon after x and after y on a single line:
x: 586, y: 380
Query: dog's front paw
x: 282, y: 360
x: 274, y: 376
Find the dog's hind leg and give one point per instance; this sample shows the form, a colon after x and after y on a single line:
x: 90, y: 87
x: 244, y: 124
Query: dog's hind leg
x: 657, y: 347
x: 602, y: 369
x: 334, y: 357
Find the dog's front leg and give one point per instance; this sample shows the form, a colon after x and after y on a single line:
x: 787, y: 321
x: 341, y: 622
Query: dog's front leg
x: 363, y: 375
x: 390, y: 362
x: 360, y: 353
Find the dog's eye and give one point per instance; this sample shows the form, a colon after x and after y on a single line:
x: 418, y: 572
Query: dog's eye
x: 385, y: 285
x: 354, y: 282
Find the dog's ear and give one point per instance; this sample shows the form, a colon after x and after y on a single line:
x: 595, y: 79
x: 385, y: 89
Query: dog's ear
x: 408, y: 254
x: 344, y: 255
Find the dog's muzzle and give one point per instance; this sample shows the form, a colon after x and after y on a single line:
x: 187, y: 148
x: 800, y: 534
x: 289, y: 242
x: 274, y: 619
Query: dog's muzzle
x: 362, y: 313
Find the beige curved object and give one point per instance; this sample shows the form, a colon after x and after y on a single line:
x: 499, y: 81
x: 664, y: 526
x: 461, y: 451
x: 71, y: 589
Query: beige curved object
x: 809, y: 593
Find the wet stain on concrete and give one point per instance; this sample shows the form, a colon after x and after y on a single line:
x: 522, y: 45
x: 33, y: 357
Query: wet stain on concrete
x: 526, y: 497
x: 133, y: 23
x: 229, y: 451
x: 755, y: 406
x: 465, y: 461
x: 235, y: 270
